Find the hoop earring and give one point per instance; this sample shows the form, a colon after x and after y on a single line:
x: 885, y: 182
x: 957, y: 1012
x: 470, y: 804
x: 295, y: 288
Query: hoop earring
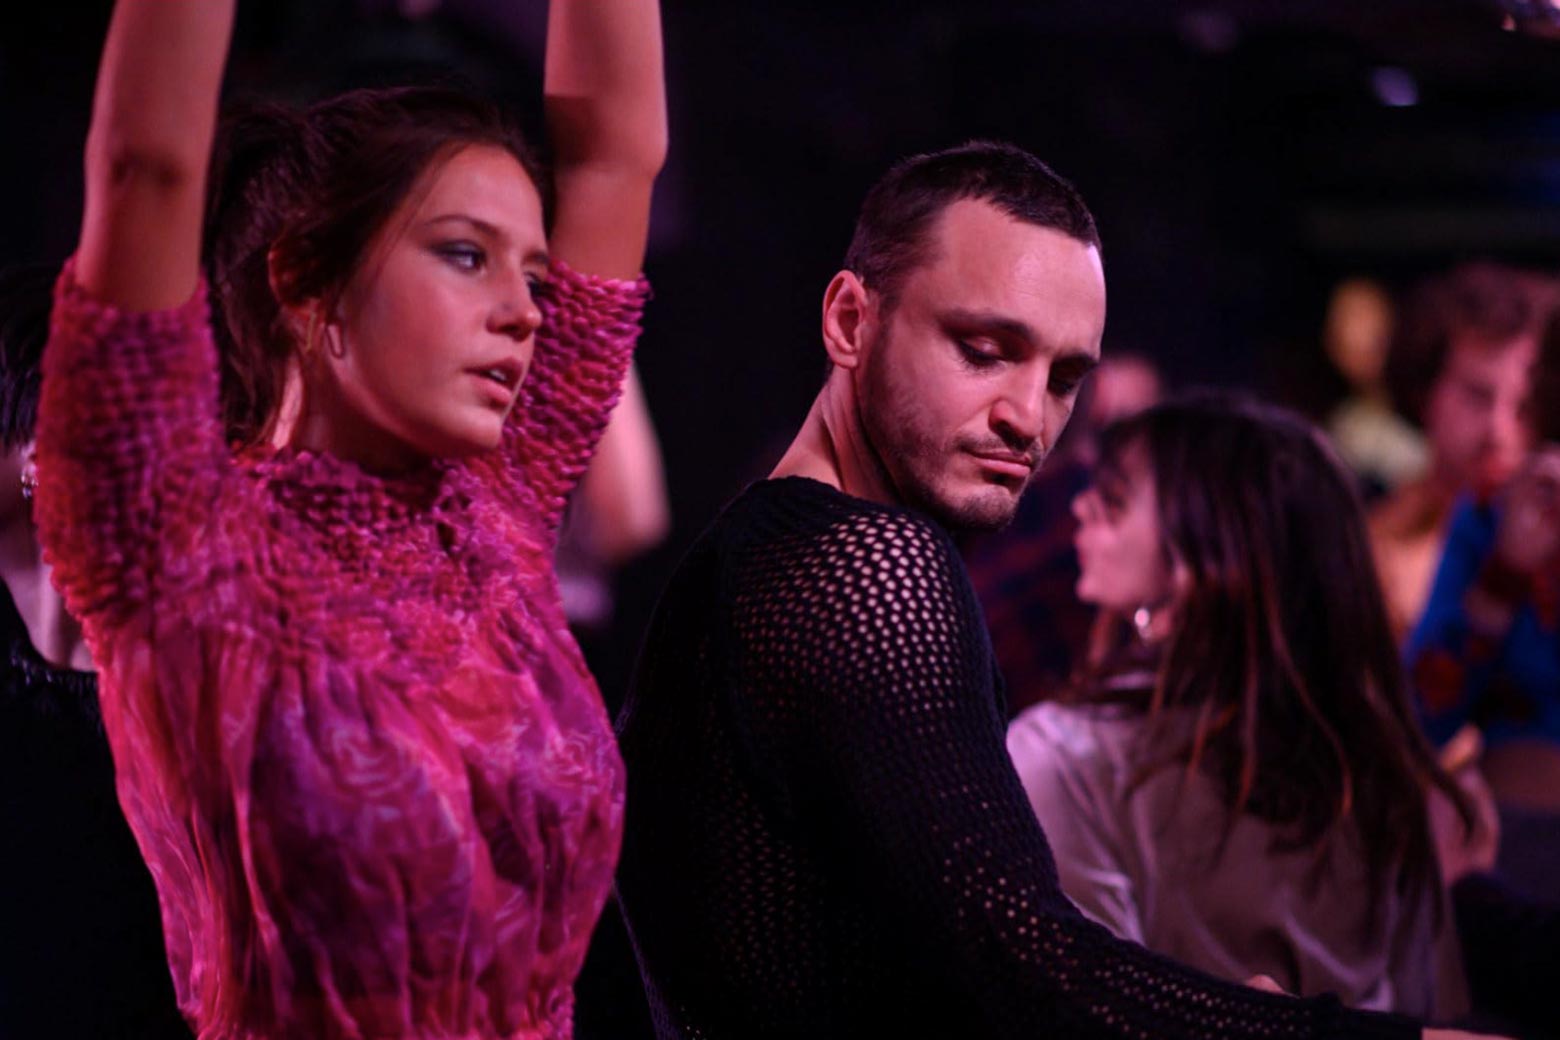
x: 335, y: 346
x: 1142, y: 622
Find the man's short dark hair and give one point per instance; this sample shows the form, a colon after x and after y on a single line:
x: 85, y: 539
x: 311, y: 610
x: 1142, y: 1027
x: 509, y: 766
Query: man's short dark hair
x: 26, y: 297
x: 1484, y: 301
x: 891, y: 237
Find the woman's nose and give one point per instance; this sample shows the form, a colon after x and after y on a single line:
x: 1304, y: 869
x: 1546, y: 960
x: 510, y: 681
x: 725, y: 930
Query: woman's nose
x: 1083, y: 505
x: 516, y: 313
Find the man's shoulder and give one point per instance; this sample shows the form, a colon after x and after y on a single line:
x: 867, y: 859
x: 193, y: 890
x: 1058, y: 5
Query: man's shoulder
x: 818, y: 530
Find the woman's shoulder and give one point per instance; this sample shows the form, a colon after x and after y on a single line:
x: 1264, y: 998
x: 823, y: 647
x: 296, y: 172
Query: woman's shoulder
x: 1077, y: 727
x: 1089, y: 743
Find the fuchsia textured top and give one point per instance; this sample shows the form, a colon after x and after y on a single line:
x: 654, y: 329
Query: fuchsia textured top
x: 357, y: 745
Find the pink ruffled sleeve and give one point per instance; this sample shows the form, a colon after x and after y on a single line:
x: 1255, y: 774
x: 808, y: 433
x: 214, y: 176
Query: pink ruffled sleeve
x: 589, y: 328
x: 129, y: 445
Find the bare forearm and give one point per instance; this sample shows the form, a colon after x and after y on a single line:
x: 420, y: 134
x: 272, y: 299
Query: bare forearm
x: 605, y: 85
x: 624, y: 490
x: 153, y: 121
x: 606, y: 117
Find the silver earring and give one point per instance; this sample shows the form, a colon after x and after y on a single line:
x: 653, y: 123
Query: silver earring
x: 29, y: 482
x: 1142, y: 619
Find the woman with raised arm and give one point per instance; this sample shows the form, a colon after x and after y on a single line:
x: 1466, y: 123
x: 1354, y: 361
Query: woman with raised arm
x: 362, y: 756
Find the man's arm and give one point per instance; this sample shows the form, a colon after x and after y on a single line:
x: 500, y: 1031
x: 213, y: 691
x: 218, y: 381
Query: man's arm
x: 901, y: 752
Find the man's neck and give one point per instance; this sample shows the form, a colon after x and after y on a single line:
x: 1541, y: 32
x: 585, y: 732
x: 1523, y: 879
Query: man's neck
x: 53, y: 632
x: 832, y: 447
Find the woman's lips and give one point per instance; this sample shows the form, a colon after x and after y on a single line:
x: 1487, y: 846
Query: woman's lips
x: 499, y: 393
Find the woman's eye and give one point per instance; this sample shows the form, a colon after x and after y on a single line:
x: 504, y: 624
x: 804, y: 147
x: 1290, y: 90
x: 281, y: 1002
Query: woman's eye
x: 535, y: 283
x: 463, y: 255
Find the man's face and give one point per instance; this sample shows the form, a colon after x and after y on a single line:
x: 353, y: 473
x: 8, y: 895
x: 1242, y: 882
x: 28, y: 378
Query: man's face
x: 972, y: 376
x: 1474, y: 417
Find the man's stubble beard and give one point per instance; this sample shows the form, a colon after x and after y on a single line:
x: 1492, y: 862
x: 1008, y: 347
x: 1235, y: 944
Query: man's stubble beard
x: 913, y: 459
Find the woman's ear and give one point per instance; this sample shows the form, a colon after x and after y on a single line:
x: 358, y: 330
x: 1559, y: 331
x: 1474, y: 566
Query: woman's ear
x: 28, y: 455
x: 1180, y: 586
x: 293, y: 316
x: 849, y: 317
x: 304, y: 320
x: 1156, y: 622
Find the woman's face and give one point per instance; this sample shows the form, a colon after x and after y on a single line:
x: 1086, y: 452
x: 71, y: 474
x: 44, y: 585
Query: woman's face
x: 1120, y: 546
x: 432, y: 336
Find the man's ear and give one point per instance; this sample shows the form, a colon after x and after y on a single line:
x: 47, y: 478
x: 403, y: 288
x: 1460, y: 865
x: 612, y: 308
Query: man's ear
x: 849, y: 319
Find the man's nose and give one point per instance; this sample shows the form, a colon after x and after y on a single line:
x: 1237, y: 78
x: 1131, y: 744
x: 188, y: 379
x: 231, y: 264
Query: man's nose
x: 1020, y: 414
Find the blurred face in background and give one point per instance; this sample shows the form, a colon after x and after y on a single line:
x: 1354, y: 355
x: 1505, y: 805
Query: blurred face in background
x: 1122, y: 386
x: 1357, y: 332
x: 1122, y: 558
x: 1475, y: 417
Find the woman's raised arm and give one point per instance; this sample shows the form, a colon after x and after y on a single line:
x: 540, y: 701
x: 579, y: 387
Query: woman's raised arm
x: 127, y: 415
x: 606, y: 117
x: 153, y: 120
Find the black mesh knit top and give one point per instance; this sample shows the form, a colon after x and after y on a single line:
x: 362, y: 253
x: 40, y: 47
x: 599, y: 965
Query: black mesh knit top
x: 825, y: 837
x: 81, y: 945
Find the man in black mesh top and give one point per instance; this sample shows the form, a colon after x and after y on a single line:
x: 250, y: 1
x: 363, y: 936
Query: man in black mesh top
x: 825, y: 837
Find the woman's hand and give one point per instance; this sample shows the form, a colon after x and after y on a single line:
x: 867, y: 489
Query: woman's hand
x: 1459, y: 850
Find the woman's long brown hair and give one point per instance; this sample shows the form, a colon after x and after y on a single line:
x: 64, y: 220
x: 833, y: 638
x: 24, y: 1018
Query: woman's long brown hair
x: 296, y: 198
x: 1280, y: 651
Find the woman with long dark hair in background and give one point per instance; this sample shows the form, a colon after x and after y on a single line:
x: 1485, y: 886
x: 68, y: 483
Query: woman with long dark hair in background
x: 1238, y: 781
x: 364, y: 760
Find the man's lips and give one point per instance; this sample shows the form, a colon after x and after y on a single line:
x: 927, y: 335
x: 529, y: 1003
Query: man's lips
x: 1020, y: 466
